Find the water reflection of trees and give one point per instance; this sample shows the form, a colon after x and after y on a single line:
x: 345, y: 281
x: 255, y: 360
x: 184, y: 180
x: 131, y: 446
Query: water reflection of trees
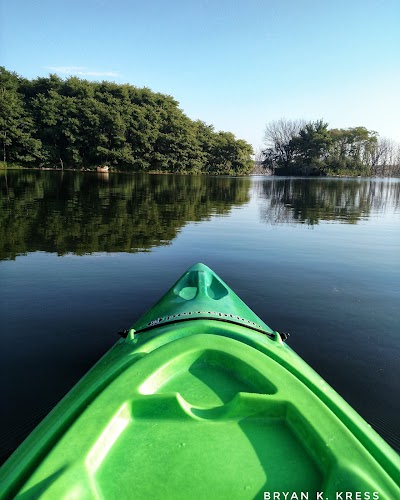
x: 312, y: 200
x: 84, y: 213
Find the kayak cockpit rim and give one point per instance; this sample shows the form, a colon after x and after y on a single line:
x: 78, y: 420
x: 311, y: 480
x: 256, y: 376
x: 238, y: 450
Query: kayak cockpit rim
x: 214, y: 316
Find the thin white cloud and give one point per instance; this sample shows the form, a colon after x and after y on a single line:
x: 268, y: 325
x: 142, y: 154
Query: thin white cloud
x: 81, y: 71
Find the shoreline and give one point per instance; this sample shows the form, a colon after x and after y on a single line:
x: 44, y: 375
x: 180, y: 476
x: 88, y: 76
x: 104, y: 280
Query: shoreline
x: 161, y: 172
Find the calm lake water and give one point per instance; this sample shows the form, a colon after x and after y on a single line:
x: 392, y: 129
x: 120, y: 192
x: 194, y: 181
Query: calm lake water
x: 84, y: 255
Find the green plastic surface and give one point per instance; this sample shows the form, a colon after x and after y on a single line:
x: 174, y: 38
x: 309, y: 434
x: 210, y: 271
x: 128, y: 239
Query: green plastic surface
x: 200, y: 293
x: 201, y: 408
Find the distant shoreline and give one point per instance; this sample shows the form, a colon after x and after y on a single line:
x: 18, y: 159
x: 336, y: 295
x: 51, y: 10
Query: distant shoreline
x: 154, y: 172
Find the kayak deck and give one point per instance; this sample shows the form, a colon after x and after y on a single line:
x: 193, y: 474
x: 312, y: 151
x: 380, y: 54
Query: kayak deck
x: 204, y: 409
x: 200, y: 424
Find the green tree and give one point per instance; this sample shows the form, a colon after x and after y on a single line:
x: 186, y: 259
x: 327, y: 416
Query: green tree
x: 16, y: 126
x: 310, y: 148
x: 352, y: 150
x: 176, y: 148
x: 229, y: 156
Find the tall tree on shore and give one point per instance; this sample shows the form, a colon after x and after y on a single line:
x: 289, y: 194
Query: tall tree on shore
x: 309, y: 148
x: 16, y: 125
x: 229, y: 156
x: 352, y: 149
x: 277, y: 137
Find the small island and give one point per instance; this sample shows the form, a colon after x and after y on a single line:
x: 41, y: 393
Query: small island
x: 297, y: 147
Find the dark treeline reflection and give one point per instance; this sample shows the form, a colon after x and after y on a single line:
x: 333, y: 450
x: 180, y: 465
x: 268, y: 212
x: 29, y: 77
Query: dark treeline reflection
x: 84, y: 213
x: 310, y: 201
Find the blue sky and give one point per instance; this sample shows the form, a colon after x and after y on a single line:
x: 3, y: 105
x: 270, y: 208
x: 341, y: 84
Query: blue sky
x: 236, y: 64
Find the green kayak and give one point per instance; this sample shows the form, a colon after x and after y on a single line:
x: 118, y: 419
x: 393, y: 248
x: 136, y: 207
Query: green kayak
x: 200, y: 399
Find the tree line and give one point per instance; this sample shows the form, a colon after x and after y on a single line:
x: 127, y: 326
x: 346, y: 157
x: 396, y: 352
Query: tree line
x: 297, y: 147
x: 75, y: 123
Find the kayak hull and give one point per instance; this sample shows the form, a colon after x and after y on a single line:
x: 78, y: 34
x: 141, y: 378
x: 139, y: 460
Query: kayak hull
x: 201, y: 407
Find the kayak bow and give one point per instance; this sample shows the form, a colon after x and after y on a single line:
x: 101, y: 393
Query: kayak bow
x: 202, y: 400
